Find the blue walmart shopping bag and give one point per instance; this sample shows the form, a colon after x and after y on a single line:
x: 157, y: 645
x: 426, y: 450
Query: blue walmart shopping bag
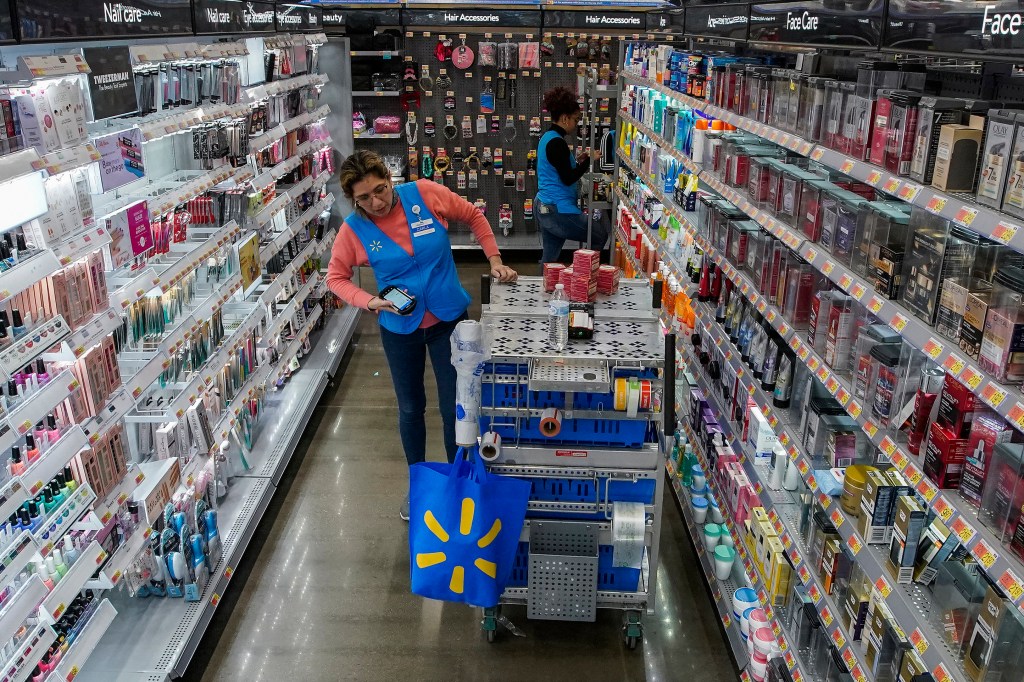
x: 464, y: 527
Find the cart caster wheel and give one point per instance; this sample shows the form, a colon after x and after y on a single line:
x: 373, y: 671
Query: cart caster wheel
x: 631, y: 642
x: 491, y: 634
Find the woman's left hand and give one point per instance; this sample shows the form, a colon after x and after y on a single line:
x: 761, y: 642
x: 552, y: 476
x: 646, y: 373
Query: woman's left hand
x: 504, y: 273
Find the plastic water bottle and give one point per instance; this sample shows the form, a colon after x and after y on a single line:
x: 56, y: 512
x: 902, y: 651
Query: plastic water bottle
x: 558, y: 318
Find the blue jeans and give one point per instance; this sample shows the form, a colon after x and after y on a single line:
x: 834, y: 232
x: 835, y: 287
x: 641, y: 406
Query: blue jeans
x: 407, y: 355
x: 556, y: 228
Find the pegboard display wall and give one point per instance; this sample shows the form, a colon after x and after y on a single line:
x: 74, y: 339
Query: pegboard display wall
x: 484, y: 118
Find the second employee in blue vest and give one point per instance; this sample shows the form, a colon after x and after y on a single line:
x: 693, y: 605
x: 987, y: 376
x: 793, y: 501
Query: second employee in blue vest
x: 558, y: 178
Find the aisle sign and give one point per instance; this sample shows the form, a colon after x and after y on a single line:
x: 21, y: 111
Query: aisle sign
x: 665, y: 22
x: 337, y: 18
x: 291, y: 17
x: 598, y: 19
x: 46, y: 20
x: 718, y: 21
x: 816, y: 22
x: 468, y: 16
x: 218, y: 16
x: 990, y: 29
x: 112, y: 85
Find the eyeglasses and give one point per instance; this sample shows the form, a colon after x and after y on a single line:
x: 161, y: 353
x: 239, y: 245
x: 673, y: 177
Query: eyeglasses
x: 379, y: 192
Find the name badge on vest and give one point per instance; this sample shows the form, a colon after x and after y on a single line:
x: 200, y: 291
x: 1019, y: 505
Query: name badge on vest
x: 422, y: 227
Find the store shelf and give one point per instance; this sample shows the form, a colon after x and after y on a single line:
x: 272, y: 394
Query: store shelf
x: 16, y: 556
x: 85, y: 644
x: 375, y: 53
x: 27, y: 273
x: 20, y: 606
x: 904, y: 601
x: 35, y: 408
x: 27, y: 655
x: 63, y: 518
x: 378, y: 136
x: 53, y: 461
x: 112, y: 572
x: 282, y: 239
x: 721, y: 590
x: 63, y: 593
x: 959, y: 516
x: 23, y: 352
x: 376, y: 93
x: 68, y: 159
x: 12, y: 496
x: 1008, y: 401
x: 105, y: 509
x: 84, y: 243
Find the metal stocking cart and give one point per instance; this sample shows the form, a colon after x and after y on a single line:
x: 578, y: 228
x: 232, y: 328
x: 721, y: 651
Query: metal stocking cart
x: 564, y: 568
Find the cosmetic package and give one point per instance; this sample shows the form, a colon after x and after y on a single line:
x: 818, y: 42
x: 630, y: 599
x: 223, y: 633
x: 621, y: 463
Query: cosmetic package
x: 987, y: 430
x: 900, y: 132
x: 801, y: 282
x: 938, y: 251
x: 882, y: 642
x: 908, y: 525
x: 859, y: 105
x: 932, y: 379
x: 956, y: 161
x: 883, y: 242
x: 1003, y: 496
x: 944, y: 456
x: 1000, y: 133
x: 933, y: 113
x: 840, y: 215
x: 876, y: 505
x: 993, y: 649
x: 959, y: 591
x: 1002, y: 346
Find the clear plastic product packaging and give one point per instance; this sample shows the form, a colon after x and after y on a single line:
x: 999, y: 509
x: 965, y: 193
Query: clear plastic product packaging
x: 1002, y: 347
x: 995, y: 157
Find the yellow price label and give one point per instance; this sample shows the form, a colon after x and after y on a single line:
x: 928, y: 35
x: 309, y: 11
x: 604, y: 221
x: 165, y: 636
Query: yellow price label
x: 826, y: 617
x: 914, y: 475
x: 1004, y: 232
x: 963, y: 530
x: 854, y: 409
x: 972, y: 378
x: 953, y: 364
x: 899, y: 323
x: 936, y: 204
x: 965, y: 216
x: 888, y: 446
x: 985, y: 555
x: 846, y: 166
x: 918, y: 640
x: 1012, y: 585
x: 837, y: 518
x: 838, y: 638
x: 845, y: 281
x: 858, y: 291
x: 818, y: 153
x: 854, y: 543
x: 943, y: 509
x: 891, y: 185
x: 993, y: 395
x: 941, y: 674
x: 873, y: 177
x: 827, y: 267
x: 883, y: 587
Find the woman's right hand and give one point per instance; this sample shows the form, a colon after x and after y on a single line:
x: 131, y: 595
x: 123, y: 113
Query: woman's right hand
x: 378, y: 304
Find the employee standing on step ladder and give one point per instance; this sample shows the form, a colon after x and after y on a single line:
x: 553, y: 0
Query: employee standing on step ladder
x: 558, y: 180
x: 402, y: 234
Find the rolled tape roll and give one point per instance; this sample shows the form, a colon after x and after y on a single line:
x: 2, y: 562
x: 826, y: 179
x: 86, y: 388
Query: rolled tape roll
x: 621, y: 391
x: 551, y: 422
x: 490, y: 446
x: 633, y: 398
x: 645, y: 394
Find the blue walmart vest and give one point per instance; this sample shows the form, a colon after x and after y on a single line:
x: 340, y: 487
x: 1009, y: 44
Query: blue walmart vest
x: 429, y: 274
x: 550, y: 188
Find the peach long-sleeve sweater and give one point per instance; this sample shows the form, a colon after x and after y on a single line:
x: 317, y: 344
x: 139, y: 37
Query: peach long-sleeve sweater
x: 348, y: 252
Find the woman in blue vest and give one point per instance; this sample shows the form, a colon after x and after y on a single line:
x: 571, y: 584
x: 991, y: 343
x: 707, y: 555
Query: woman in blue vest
x: 402, y: 234
x: 558, y: 179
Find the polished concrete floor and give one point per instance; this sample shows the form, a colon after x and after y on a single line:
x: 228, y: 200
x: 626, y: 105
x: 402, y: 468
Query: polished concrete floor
x: 323, y: 593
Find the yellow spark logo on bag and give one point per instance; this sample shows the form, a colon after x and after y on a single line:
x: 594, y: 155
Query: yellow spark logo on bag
x: 429, y: 559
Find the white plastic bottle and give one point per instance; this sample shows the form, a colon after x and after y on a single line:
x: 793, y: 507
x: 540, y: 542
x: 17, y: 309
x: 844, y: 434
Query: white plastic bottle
x: 558, y: 318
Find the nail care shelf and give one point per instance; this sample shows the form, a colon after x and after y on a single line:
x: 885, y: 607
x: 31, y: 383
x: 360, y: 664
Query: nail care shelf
x: 85, y: 644
x: 105, y: 509
x: 67, y: 588
x: 110, y: 575
x: 63, y: 518
x: 53, y: 461
x: 20, y: 606
x: 29, y: 652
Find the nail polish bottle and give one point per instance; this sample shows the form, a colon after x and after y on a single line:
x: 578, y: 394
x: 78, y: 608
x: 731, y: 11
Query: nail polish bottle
x: 35, y: 516
x: 69, y: 478
x: 16, y: 466
x: 25, y: 520
x: 14, y: 522
x: 18, y: 328
x: 49, y: 503
x: 31, y: 451
x: 37, y: 674
x: 47, y: 576
x: 5, y: 337
x: 42, y: 376
x: 71, y: 552
x: 21, y: 247
x: 29, y: 387
x: 13, y: 395
x: 52, y: 431
x: 59, y: 565
x: 57, y: 490
x: 39, y: 433
x: 6, y: 257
